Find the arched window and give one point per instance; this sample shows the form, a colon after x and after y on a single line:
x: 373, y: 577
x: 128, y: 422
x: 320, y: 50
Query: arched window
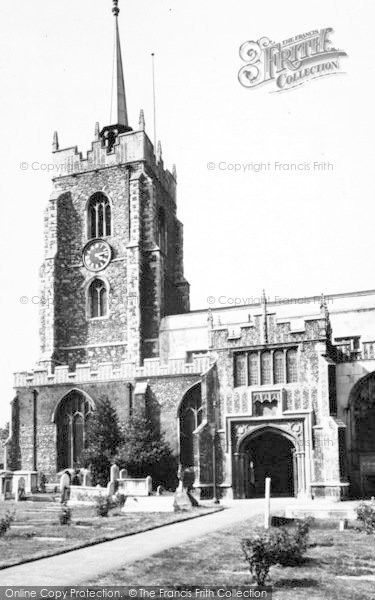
x: 291, y: 366
x: 278, y: 367
x: 266, y: 368
x: 99, y: 216
x: 190, y: 418
x: 98, y: 299
x: 71, y: 420
x: 162, y: 231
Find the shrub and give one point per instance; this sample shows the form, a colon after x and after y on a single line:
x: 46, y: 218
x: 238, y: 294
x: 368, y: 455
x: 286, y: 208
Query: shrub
x: 65, y: 515
x: 120, y: 499
x: 275, y: 547
x: 366, y: 514
x: 102, y: 505
x: 42, y: 483
x: 5, y: 522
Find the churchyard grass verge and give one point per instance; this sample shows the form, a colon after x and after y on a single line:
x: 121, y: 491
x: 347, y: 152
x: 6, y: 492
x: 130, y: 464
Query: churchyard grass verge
x: 37, y: 533
x: 217, y: 560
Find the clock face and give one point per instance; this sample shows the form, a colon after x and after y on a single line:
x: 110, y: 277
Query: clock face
x: 97, y: 255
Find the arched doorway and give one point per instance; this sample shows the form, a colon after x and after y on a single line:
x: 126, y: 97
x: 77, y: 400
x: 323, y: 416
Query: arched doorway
x: 362, y: 421
x: 71, y: 417
x: 190, y: 417
x: 265, y: 453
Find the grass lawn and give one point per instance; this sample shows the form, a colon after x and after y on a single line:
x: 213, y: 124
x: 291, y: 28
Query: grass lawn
x: 36, y: 532
x: 217, y: 559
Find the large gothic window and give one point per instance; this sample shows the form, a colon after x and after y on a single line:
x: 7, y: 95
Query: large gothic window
x: 190, y: 418
x: 71, y: 420
x: 99, y: 216
x: 98, y: 299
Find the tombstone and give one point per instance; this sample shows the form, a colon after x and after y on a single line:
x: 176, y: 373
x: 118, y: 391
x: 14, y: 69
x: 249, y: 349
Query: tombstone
x: 86, y: 478
x: 115, y: 471
x: 21, y: 492
x: 111, y: 488
x: 160, y: 490
x: 149, y: 485
x: 182, y: 498
x: 123, y: 474
x: 65, y: 487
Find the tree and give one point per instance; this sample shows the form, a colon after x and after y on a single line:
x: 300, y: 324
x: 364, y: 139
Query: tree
x: 102, y: 441
x: 4, y: 434
x: 144, y: 452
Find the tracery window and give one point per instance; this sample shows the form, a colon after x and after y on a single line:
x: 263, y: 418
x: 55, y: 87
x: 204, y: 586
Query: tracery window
x: 72, y: 418
x: 266, y: 367
x: 99, y: 216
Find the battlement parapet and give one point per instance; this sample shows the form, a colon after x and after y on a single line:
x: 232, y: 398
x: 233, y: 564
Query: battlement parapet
x: 107, y: 372
x: 134, y: 146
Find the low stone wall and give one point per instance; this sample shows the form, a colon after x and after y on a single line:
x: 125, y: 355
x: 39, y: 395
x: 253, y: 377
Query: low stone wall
x: 135, y: 487
x: 80, y: 494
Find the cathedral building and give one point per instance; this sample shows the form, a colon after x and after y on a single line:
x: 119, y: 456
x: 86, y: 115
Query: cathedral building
x: 279, y: 389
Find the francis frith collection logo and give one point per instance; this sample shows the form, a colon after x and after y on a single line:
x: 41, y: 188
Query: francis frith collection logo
x: 290, y: 63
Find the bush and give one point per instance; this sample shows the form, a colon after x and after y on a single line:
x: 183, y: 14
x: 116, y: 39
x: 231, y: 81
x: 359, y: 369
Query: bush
x: 5, y: 522
x: 366, y: 514
x: 65, y: 515
x: 102, y: 506
x: 42, y: 483
x: 120, y: 499
x: 275, y: 547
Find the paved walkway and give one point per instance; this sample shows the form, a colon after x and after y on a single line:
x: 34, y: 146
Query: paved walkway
x: 82, y: 565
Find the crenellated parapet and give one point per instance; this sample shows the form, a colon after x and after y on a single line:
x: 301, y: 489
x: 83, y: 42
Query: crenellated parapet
x: 107, y: 372
x: 129, y: 147
x: 279, y: 331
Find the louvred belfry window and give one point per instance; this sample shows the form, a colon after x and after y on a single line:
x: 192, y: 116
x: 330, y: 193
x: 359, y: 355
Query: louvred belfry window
x: 99, y: 216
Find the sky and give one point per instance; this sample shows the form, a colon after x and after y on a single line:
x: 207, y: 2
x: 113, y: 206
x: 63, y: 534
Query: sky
x: 292, y: 233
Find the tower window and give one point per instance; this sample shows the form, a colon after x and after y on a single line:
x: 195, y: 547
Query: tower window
x: 99, y: 216
x: 98, y: 299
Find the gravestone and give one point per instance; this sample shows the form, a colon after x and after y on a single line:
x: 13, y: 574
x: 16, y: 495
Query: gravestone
x: 114, y: 473
x: 123, y: 474
x: 21, y: 490
x: 86, y: 478
x: 64, y: 487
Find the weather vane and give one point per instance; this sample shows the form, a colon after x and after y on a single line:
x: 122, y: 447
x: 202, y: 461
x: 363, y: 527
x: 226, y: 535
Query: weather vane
x: 115, y: 8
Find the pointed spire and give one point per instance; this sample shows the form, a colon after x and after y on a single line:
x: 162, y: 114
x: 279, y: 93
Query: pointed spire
x: 159, y: 153
x: 174, y: 172
x: 119, y: 110
x: 55, y: 143
x: 97, y: 131
x: 142, y: 123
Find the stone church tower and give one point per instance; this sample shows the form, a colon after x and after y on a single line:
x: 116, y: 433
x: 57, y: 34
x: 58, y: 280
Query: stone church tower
x: 113, y: 262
